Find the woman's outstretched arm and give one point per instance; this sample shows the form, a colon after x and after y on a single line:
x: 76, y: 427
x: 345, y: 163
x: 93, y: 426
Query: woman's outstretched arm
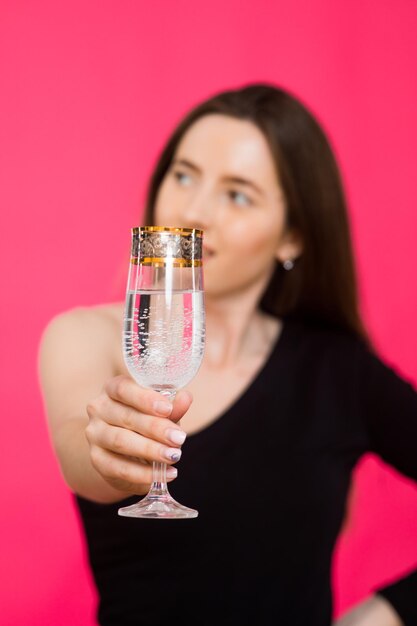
x: 105, y: 429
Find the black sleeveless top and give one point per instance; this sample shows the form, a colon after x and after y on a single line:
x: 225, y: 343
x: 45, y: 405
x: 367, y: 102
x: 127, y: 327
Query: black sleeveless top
x: 270, y: 479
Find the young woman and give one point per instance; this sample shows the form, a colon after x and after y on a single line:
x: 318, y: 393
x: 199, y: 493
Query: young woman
x: 288, y: 398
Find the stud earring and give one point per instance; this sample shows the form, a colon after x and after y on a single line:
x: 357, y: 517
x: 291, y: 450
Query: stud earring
x: 288, y: 265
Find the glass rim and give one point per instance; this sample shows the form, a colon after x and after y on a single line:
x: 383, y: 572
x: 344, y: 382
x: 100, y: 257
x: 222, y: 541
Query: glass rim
x: 178, y: 230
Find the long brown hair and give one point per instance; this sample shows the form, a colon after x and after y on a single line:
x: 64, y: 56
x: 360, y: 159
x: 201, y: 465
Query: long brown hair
x: 322, y: 285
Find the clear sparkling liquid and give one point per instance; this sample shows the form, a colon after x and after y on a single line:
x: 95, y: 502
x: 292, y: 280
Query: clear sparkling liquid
x: 163, y: 338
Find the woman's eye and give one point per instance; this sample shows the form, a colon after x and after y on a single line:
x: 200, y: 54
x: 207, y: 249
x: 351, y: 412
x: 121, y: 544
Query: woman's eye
x: 239, y: 198
x: 183, y: 178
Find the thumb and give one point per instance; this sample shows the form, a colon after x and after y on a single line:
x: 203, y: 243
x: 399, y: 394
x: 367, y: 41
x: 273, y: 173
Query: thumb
x: 181, y: 405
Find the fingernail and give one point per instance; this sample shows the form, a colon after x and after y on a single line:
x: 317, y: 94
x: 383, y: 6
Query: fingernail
x: 176, y: 436
x: 172, y: 454
x: 163, y: 408
x: 172, y: 472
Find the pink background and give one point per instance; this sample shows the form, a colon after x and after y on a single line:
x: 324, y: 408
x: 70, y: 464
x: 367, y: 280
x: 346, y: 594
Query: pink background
x: 88, y: 92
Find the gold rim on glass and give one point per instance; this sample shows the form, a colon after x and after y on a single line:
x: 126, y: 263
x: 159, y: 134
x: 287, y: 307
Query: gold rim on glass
x: 151, y: 246
x: 161, y: 262
x: 168, y: 229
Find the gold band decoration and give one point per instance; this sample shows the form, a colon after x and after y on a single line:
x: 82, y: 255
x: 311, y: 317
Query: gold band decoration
x: 159, y: 245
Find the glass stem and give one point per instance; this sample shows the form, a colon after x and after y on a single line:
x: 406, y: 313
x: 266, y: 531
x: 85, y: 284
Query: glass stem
x: 159, y: 478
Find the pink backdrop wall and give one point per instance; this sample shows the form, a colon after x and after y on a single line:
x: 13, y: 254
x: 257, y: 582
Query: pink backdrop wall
x: 88, y: 92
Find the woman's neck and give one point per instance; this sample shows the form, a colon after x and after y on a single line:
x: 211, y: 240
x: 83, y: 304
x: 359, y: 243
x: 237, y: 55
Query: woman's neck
x: 236, y: 328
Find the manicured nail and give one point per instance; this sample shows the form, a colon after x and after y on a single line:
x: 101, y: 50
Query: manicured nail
x: 172, y: 454
x: 163, y: 408
x: 172, y: 472
x: 176, y: 436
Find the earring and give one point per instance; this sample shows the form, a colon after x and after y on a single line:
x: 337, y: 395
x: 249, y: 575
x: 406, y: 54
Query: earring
x: 288, y: 264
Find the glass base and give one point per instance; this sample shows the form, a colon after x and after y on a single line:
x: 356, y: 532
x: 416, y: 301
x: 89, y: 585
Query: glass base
x: 158, y: 507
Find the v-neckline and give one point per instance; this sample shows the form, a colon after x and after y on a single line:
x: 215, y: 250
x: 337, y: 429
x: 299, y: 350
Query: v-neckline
x: 250, y: 388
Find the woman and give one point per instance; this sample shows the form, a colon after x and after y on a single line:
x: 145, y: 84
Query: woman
x: 286, y: 401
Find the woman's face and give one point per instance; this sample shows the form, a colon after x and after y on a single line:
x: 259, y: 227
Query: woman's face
x: 222, y: 179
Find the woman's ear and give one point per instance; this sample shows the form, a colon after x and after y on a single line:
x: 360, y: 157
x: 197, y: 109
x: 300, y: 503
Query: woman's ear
x: 290, y: 247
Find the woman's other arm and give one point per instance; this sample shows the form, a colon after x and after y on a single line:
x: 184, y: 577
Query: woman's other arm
x: 390, y: 413
x: 375, y: 611
x: 105, y: 429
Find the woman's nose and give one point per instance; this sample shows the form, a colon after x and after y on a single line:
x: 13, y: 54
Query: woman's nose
x: 198, y: 211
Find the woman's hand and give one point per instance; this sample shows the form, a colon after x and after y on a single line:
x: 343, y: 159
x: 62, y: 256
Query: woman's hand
x: 375, y: 611
x: 129, y: 427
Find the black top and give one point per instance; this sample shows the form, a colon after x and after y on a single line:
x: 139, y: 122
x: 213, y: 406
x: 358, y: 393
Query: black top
x: 269, y: 479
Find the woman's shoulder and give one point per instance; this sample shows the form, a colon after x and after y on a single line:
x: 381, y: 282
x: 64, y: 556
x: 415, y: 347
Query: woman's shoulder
x: 332, y: 349
x: 325, y: 335
x: 94, y: 330
x: 82, y: 319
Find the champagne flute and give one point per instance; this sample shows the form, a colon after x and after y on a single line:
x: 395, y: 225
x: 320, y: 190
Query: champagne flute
x: 164, y: 332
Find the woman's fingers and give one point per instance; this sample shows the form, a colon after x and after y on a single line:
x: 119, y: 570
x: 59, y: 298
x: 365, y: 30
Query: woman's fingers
x: 124, y: 389
x: 123, y: 403
x: 131, y: 444
x: 129, y: 427
x: 104, y: 411
x: 125, y: 473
